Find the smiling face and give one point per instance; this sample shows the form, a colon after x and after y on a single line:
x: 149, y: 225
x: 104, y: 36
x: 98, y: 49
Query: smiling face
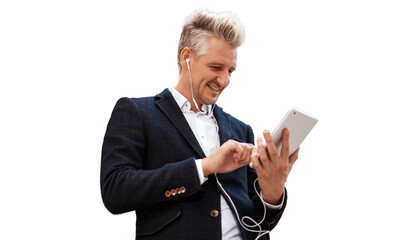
x: 210, y: 72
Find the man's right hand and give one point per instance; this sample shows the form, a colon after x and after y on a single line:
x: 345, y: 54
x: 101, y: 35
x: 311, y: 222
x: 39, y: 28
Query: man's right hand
x: 230, y: 156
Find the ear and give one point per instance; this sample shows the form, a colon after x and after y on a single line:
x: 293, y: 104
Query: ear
x: 184, y: 55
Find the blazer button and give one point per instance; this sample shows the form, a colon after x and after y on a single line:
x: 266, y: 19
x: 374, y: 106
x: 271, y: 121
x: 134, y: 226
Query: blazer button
x: 167, y: 194
x: 182, y: 189
x: 173, y: 192
x: 215, y: 213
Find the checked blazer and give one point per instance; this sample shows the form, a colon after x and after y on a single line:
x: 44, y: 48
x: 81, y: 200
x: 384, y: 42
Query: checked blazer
x: 148, y: 166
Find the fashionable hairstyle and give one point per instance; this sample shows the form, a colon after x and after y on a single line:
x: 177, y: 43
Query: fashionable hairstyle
x: 203, y: 24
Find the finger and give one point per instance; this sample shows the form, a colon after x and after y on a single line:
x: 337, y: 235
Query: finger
x: 261, y: 149
x: 252, y: 149
x: 294, y: 157
x: 230, y: 148
x: 245, y: 157
x: 285, y: 148
x: 246, y: 160
x: 255, y: 160
x: 239, y: 152
x: 248, y: 151
x: 270, y: 145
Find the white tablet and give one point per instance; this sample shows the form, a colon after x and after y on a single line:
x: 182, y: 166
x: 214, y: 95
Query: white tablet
x: 299, y: 124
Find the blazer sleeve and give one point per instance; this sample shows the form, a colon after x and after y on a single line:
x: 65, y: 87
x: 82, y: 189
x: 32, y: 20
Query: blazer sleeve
x: 272, y: 216
x: 125, y: 185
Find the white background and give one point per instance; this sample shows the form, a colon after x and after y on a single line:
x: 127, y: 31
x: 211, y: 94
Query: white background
x: 64, y: 64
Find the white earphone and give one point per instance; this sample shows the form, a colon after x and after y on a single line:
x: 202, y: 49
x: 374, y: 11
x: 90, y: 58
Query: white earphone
x: 191, y: 84
x: 245, y: 225
x: 188, y: 65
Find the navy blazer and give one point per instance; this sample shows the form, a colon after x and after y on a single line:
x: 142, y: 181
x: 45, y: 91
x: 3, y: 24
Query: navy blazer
x: 148, y: 166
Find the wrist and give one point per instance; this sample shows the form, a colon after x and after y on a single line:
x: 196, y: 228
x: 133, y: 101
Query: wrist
x: 272, y: 198
x: 205, y: 167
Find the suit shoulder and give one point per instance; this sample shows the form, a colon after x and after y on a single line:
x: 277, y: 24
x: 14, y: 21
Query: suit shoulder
x: 136, y: 100
x: 142, y: 101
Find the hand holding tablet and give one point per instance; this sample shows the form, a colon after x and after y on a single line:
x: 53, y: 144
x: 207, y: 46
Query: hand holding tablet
x: 299, y: 125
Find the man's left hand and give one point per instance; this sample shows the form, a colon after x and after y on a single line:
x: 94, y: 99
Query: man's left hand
x: 272, y: 167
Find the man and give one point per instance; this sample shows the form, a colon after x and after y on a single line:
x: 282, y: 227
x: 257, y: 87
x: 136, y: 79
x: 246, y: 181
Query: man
x: 181, y: 162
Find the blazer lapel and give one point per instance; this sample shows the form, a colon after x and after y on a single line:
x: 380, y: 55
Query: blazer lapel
x: 224, y: 123
x: 169, y: 107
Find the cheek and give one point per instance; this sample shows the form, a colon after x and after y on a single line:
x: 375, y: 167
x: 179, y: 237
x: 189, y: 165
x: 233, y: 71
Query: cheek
x: 228, y: 81
x: 209, y: 76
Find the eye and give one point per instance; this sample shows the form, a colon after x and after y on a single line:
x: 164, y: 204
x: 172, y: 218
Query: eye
x: 216, y: 68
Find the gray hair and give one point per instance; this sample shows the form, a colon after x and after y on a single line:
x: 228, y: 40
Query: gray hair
x: 203, y: 24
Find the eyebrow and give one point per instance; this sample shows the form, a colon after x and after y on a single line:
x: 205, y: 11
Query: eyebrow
x: 215, y: 64
x: 219, y: 65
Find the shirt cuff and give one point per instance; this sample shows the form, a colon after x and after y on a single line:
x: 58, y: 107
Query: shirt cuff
x: 198, y: 163
x: 271, y: 206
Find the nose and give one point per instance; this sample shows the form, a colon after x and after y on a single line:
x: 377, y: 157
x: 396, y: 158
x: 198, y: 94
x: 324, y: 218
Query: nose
x: 224, y: 79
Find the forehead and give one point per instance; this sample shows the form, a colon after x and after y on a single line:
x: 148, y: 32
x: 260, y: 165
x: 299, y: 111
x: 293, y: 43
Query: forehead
x: 221, y: 52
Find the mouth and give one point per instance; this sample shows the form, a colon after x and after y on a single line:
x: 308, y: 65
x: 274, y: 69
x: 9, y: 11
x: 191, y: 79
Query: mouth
x: 214, y: 88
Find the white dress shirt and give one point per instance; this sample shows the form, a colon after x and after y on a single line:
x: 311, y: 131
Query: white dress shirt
x: 206, y: 130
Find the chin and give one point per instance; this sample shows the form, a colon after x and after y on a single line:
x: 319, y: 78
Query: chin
x: 211, y: 101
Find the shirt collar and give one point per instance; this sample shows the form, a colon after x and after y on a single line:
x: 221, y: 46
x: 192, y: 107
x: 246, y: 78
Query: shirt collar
x: 185, y: 105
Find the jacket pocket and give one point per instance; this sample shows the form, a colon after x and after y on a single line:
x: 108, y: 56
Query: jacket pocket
x: 151, y: 222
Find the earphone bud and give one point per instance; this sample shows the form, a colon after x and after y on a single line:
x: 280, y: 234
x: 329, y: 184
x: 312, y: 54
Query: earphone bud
x: 187, y: 61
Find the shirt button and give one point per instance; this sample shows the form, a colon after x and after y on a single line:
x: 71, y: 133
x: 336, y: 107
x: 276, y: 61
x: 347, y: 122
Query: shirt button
x: 215, y: 213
